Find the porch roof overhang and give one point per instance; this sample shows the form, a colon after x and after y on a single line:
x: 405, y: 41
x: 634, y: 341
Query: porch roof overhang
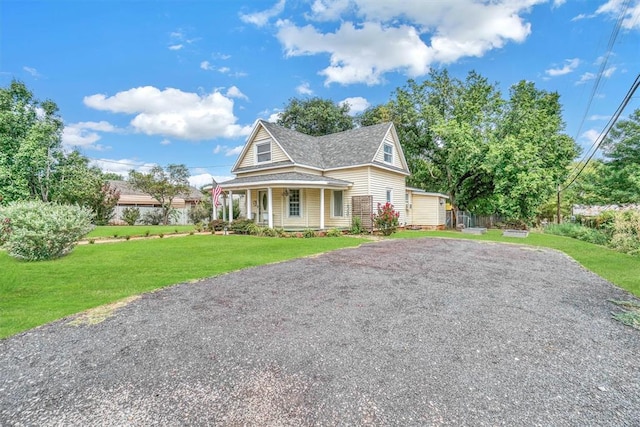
x: 286, y: 179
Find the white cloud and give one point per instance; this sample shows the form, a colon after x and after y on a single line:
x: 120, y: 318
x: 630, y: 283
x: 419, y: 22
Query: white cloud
x: 165, y: 142
x: 224, y: 70
x: 614, y: 8
x: 590, y: 135
x: 234, y: 92
x: 608, y: 72
x: 234, y: 151
x: 205, y: 65
x: 569, y: 66
x: 174, y: 113
x: 357, y: 104
x: 304, y: 89
x: 122, y: 166
x: 405, y: 37
x: 261, y: 19
x: 85, y: 134
x: 32, y: 71
x: 599, y: 117
x: 228, y: 151
x: 176, y: 46
x: 585, y: 78
x: 356, y: 51
x: 204, y: 178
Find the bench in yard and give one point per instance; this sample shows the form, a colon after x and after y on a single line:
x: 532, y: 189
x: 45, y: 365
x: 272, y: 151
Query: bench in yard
x: 474, y: 230
x: 515, y: 233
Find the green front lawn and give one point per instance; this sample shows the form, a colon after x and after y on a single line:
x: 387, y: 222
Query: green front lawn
x: 620, y: 269
x: 34, y: 293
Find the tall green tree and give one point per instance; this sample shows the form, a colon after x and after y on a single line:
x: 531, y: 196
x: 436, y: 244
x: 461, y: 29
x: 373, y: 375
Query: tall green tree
x: 316, y: 116
x: 530, y: 156
x: 163, y: 185
x: 621, y: 150
x: 30, y: 144
x: 78, y: 183
x: 445, y: 126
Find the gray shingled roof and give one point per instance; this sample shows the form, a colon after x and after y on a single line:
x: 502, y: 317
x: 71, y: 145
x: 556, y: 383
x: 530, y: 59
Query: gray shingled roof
x: 286, y: 177
x: 348, y: 148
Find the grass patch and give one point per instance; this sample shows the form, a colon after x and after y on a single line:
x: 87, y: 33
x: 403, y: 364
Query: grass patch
x: 35, y: 293
x: 630, y: 314
x: 620, y: 269
x: 120, y: 231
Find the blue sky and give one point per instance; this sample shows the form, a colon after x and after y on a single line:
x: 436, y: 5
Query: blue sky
x: 157, y: 82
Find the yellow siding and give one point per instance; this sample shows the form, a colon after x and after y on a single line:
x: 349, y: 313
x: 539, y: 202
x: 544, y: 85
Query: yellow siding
x: 277, y: 154
x: 381, y: 180
x: 427, y: 210
x: 396, y: 152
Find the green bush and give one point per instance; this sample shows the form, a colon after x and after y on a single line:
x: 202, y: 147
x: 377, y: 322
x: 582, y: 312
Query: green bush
x: 309, y: 233
x: 240, y: 226
x: 41, y: 231
x: 199, y: 213
x: 579, y: 232
x: 130, y: 215
x: 334, y: 232
x: 626, y: 232
x: 153, y: 217
x: 356, y: 225
x: 217, y: 225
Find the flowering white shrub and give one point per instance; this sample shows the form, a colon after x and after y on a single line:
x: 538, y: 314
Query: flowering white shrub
x: 41, y: 231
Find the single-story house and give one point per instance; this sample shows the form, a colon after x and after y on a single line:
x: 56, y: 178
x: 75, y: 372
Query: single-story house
x: 132, y: 198
x: 291, y: 180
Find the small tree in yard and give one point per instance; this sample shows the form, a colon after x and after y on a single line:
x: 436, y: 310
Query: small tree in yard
x: 386, y: 219
x: 35, y: 231
x: 163, y: 185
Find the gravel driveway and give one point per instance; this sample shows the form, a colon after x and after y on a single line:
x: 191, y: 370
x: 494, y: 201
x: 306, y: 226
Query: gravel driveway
x: 405, y: 332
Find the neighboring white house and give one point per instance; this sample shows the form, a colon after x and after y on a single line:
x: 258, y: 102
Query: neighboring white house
x: 291, y: 180
x: 132, y: 198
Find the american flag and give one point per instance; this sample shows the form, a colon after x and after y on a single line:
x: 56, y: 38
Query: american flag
x: 215, y: 192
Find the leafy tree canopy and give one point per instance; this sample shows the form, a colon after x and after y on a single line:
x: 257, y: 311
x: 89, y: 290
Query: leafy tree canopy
x: 316, y: 116
x: 163, y: 185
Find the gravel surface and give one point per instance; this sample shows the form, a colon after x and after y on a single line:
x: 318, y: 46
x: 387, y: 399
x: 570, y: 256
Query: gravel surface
x: 404, y: 332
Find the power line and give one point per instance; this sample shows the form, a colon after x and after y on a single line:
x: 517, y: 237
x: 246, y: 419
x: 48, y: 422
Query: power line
x: 607, y: 129
x: 596, y: 85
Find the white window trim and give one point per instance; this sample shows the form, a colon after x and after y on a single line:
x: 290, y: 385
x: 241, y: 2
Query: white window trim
x: 332, y: 215
x: 384, y: 153
x: 270, y: 151
x: 301, y: 204
x: 388, y: 191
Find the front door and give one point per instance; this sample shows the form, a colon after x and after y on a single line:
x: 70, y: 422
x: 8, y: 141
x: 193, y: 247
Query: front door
x: 263, y: 206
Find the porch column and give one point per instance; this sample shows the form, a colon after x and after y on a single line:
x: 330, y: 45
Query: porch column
x: 248, y: 204
x: 230, y: 206
x: 270, y: 197
x: 322, y: 209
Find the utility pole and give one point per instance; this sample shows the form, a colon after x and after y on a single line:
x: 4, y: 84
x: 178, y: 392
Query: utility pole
x: 558, y: 207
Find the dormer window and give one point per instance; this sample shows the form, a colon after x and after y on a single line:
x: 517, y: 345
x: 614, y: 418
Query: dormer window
x: 263, y: 152
x: 388, y: 153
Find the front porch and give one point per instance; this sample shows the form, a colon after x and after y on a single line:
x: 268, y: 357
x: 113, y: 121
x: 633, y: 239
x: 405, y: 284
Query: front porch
x: 293, y: 201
